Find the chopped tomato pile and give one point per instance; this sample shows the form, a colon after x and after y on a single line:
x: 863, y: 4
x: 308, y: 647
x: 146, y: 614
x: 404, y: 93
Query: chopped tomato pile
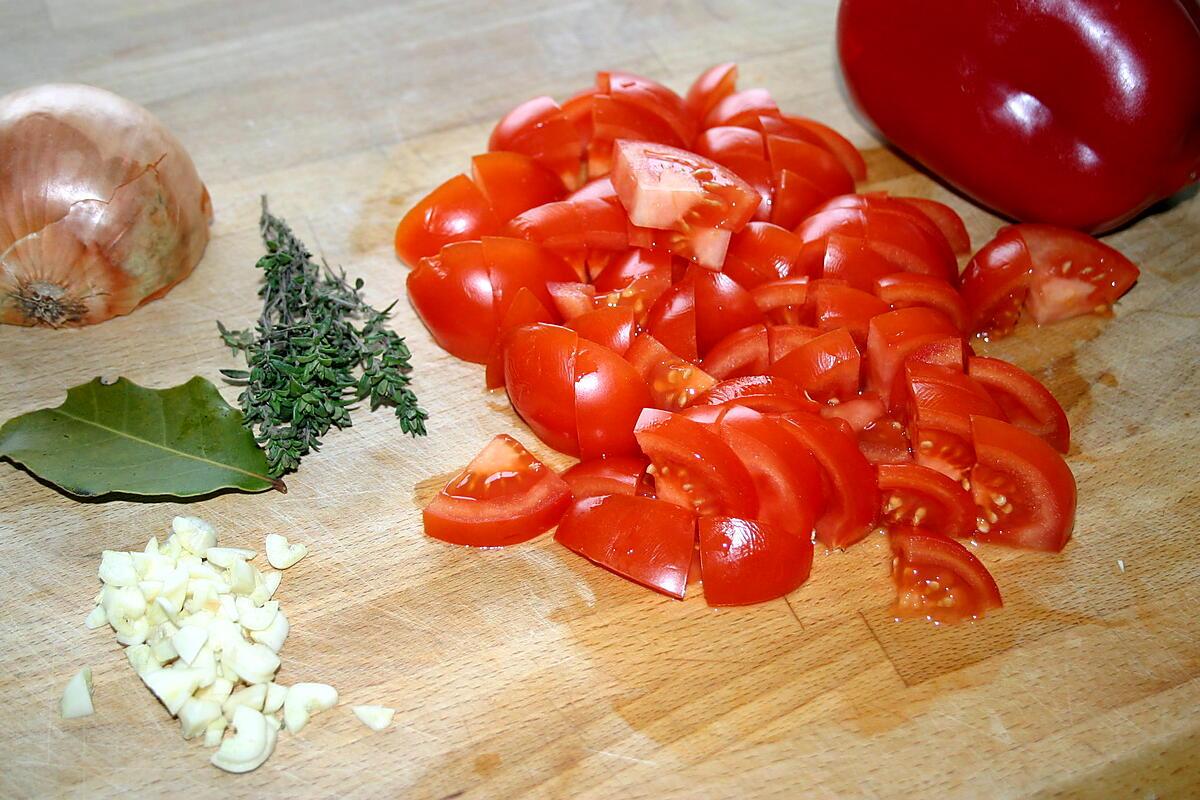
x: 686, y: 293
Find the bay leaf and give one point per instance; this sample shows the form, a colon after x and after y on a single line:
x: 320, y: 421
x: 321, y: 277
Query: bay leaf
x: 121, y: 438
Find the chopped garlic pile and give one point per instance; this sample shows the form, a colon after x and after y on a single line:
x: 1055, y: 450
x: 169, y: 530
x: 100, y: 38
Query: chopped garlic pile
x: 201, y: 630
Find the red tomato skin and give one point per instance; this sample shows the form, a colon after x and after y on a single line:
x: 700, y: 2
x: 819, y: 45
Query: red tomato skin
x: 1043, y: 481
x: 452, y: 294
x: 539, y: 375
x: 514, y: 182
x: 746, y: 561
x: 541, y: 130
x: 711, y: 87
x: 827, y: 367
x: 609, y: 396
x: 504, y: 520
x: 741, y: 353
x: 1025, y: 401
x: 852, y: 497
x: 1092, y: 124
x: 672, y: 381
x: 946, y: 219
x: 722, y: 307
x: 613, y: 328
x: 672, y: 320
x: 762, y: 252
x: 456, y: 211
x: 836, y: 306
x: 766, y: 394
x: 814, y: 163
x: 996, y: 282
x: 523, y: 309
x: 514, y: 264
x: 643, y: 540
x: 650, y: 96
x: 574, y: 225
x: 697, y: 458
x: 741, y: 108
x: 908, y: 289
x: 1073, y: 273
x: 602, y: 476
x: 892, y: 338
x: 841, y: 148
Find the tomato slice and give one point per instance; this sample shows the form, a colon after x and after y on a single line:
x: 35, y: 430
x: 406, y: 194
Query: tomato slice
x: 762, y: 252
x: 571, y: 298
x: 889, y: 205
x: 783, y: 340
x: 634, y: 263
x: 786, y: 478
x: 995, y: 284
x: 921, y: 497
x: 783, y: 301
x: 456, y: 211
x: 892, y: 338
x: 946, y: 219
x: 854, y: 261
x: 851, y: 495
x: 703, y: 246
x: 1024, y: 491
x: 938, y: 579
x: 524, y: 309
x: 741, y: 108
x: 513, y: 182
x: 442, y: 285
x: 571, y: 225
x: 726, y: 142
x: 943, y: 400
x: 600, y: 476
x: 908, y: 289
x: 612, y: 327
x: 766, y: 394
x: 539, y: 375
x: 912, y: 245
x: 722, y: 307
x: 815, y: 164
x: 673, y: 382
x: 609, y: 396
x: 668, y: 188
x: 614, y: 119
x: 836, y: 306
x: 502, y: 497
x: 1073, y: 273
x: 1025, y: 402
x: 539, y: 129
x: 643, y: 540
x: 596, y: 189
x: 649, y: 96
x: 827, y: 367
x: 694, y: 468
x: 795, y: 197
x: 711, y: 87
x: 672, y: 320
x: 746, y: 561
x: 841, y: 147
x: 514, y: 264
x: 744, y: 352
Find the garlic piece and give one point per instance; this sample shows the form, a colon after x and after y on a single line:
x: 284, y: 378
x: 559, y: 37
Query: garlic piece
x: 173, y: 686
x: 218, y: 691
x: 77, y: 697
x: 275, y: 635
x: 164, y: 651
x: 141, y: 658
x: 223, y: 556
x: 374, y: 717
x: 116, y: 569
x: 254, y: 663
x: 251, y: 744
x: 194, y: 535
x: 271, y: 581
x: 281, y: 554
x: 188, y: 641
x: 196, y: 715
x: 241, y: 577
x: 256, y: 619
x: 214, y: 732
x: 276, y: 694
x: 97, y: 619
x: 304, y: 700
x: 251, y: 696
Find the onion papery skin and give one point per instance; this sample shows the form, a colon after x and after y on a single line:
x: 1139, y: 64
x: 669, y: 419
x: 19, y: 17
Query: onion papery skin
x: 101, y: 207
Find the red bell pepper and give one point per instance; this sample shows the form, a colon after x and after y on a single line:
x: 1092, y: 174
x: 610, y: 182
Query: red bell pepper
x: 1080, y: 113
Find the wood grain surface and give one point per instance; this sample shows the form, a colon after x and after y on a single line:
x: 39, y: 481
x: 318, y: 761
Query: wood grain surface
x: 527, y: 672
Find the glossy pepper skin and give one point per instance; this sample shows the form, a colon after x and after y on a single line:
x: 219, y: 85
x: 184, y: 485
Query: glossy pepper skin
x: 1078, y: 113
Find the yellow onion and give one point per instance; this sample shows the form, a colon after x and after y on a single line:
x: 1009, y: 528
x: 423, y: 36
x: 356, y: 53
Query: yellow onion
x: 101, y: 208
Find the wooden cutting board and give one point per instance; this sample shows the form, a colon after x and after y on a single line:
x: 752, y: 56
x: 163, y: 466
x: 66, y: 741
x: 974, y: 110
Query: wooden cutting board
x: 527, y: 672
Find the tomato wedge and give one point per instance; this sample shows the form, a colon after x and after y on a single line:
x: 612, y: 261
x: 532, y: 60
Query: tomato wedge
x: 920, y: 497
x: 851, y: 495
x: 539, y: 375
x: 609, y: 396
x: 841, y: 147
x: 784, y: 301
x: 711, y: 87
x: 456, y: 211
x: 1025, y: 402
x: 513, y: 182
x: 837, y: 306
x: 762, y: 252
x: 996, y: 282
x: 722, y: 307
x: 938, y: 579
x: 694, y: 468
x: 524, y: 309
x: 572, y: 225
x: 746, y: 561
x: 827, y: 368
x: 502, y: 497
x: 741, y: 353
x: 668, y: 188
x: 600, y: 476
x: 612, y: 327
x: 673, y: 382
x: 1073, y: 273
x: 908, y: 289
x: 643, y: 540
x: 891, y: 339
x: 649, y: 96
x: 540, y: 129
x: 766, y: 394
x: 1024, y: 491
x: 443, y: 287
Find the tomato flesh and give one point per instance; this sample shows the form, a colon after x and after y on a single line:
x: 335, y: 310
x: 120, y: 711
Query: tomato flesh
x: 938, y: 579
x: 748, y: 561
x: 920, y: 497
x: 1025, y: 402
x: 827, y: 368
x: 610, y: 475
x: 673, y: 382
x: 647, y: 541
x: 502, y: 497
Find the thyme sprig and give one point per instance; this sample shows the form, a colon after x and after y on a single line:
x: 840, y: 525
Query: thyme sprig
x: 316, y: 350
